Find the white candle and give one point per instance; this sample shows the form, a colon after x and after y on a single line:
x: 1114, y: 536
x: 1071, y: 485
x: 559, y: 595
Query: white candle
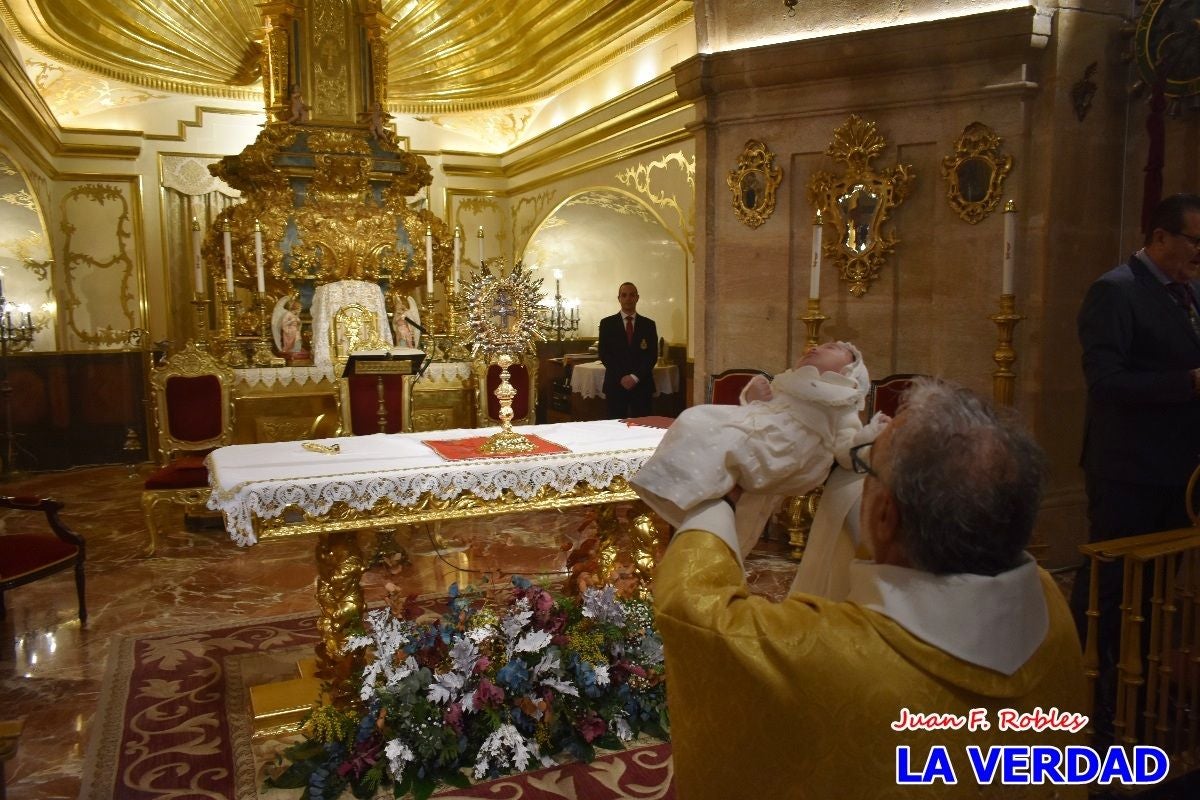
x: 1010, y: 239
x: 198, y: 277
x: 258, y: 259
x: 457, y: 251
x: 429, y: 260
x: 227, y: 236
x: 481, y: 245
x: 814, y: 275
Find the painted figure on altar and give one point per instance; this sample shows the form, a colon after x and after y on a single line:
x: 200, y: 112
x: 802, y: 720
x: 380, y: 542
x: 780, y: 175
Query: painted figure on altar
x: 405, y: 312
x: 285, y: 326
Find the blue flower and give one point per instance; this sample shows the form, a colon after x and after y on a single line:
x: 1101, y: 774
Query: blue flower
x: 514, y: 676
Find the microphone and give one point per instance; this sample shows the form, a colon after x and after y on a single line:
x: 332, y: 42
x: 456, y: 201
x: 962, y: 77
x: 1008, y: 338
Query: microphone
x: 415, y: 325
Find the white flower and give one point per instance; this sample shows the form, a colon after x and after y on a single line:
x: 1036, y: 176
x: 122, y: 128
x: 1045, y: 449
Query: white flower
x: 398, y: 754
x: 464, y: 654
x: 602, y: 605
x: 481, y: 634
x: 549, y: 663
x: 505, y: 747
x: 532, y: 642
x: 624, y: 732
x: 561, y: 686
x: 445, y: 688
x: 515, y: 622
x: 601, y: 674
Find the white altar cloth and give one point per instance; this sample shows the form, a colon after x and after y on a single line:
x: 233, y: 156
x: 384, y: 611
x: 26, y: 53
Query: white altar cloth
x: 260, y: 481
x: 588, y: 379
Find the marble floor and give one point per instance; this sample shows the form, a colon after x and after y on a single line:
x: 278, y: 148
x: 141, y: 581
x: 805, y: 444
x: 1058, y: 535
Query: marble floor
x: 52, y: 667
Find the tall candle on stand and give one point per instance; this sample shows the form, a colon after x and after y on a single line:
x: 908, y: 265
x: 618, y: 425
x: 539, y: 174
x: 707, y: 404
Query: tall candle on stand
x: 457, y: 251
x: 1010, y: 239
x: 196, y: 263
x: 480, y: 236
x: 258, y: 259
x: 227, y: 236
x: 429, y: 262
x: 814, y: 275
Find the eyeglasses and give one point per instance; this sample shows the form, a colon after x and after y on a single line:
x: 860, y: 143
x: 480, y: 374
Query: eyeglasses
x: 860, y: 456
x: 1194, y: 241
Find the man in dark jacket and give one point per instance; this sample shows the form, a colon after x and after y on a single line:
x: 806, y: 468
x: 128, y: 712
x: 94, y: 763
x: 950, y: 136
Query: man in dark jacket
x: 628, y: 348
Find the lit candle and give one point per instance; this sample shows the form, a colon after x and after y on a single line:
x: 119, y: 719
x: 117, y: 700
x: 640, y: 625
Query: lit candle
x: 258, y: 259
x: 28, y: 312
x: 480, y: 245
x: 814, y: 275
x: 457, y: 251
x: 429, y: 261
x: 1010, y: 238
x: 227, y: 237
x: 196, y: 262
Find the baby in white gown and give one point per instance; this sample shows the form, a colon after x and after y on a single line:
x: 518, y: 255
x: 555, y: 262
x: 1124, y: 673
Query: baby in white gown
x: 781, y: 442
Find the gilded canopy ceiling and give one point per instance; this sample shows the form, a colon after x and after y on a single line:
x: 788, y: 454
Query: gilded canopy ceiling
x: 444, y: 55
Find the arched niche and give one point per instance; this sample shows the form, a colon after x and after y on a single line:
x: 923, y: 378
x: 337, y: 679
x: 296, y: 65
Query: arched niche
x: 26, y: 266
x: 601, y: 237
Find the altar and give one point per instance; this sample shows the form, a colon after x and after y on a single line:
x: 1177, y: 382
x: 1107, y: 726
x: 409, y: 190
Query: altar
x: 336, y: 489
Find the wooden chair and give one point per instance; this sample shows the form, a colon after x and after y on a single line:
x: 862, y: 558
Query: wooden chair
x: 726, y: 387
x: 193, y: 415
x: 26, y: 557
x: 885, y: 394
x: 523, y: 377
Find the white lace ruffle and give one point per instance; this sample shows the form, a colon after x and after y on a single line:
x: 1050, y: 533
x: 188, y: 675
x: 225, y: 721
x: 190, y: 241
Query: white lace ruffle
x: 284, y: 376
x: 252, y: 481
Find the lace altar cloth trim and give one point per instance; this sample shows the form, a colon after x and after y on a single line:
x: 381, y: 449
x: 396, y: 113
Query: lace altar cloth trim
x: 260, y: 481
x: 443, y: 372
x: 464, y: 449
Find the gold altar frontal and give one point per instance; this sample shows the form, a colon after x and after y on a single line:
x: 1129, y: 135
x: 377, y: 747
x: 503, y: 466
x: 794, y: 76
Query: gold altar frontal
x: 286, y: 404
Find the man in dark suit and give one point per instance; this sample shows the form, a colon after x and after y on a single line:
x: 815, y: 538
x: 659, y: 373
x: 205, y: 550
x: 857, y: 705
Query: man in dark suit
x: 629, y: 348
x: 1140, y: 330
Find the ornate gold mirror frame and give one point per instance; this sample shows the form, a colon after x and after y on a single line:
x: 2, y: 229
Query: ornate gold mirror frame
x: 857, y: 203
x: 975, y: 173
x: 753, y: 184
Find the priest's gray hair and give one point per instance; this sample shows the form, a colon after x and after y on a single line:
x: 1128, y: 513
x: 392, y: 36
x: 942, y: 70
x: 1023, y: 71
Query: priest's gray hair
x: 967, y: 479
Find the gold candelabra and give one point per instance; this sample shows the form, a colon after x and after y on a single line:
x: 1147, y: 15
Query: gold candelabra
x: 1004, y: 379
x: 233, y: 356
x: 200, y: 321
x: 455, y: 348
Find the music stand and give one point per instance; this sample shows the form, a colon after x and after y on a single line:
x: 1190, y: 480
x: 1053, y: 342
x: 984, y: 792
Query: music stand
x: 381, y: 363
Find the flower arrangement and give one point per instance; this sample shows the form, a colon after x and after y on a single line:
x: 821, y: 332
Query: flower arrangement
x: 490, y: 687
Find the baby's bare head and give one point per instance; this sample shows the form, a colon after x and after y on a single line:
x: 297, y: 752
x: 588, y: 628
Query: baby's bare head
x: 828, y: 357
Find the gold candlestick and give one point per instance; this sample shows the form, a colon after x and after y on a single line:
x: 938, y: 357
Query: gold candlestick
x: 455, y: 349
x: 431, y: 333
x: 1003, y: 379
x: 812, y: 322
x: 507, y: 440
x: 234, y: 357
x: 200, y: 321
x: 262, y: 345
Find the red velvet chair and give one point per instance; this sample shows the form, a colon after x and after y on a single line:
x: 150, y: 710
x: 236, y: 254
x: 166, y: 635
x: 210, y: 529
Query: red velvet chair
x: 26, y: 557
x: 193, y: 415
x: 359, y: 404
x: 885, y: 393
x: 523, y: 377
x: 727, y: 386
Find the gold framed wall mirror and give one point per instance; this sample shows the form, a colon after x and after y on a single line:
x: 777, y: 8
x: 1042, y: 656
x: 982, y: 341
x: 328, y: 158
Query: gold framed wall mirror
x: 857, y: 203
x: 975, y: 173
x: 753, y: 183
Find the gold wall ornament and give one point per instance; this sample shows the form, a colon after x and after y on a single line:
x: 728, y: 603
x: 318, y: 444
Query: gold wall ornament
x: 753, y: 183
x: 975, y: 173
x: 857, y: 203
x: 502, y: 314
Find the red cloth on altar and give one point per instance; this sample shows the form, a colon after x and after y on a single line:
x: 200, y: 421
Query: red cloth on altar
x: 462, y: 449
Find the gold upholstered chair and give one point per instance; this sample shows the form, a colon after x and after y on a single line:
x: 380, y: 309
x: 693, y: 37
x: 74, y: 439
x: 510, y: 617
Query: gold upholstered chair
x: 523, y: 377
x: 193, y: 415
x: 366, y: 403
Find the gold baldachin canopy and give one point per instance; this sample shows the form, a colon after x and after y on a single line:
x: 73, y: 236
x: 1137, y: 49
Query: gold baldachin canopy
x: 445, y: 55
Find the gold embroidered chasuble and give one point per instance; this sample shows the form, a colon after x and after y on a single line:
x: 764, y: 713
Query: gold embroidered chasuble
x: 795, y: 699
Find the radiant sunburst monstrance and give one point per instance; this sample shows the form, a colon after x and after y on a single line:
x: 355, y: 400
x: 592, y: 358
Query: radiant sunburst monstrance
x: 501, y: 312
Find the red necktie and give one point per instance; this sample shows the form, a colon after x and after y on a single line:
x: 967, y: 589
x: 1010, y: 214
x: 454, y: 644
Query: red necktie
x: 629, y: 330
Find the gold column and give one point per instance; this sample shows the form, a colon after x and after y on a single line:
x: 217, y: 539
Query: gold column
x: 341, y: 561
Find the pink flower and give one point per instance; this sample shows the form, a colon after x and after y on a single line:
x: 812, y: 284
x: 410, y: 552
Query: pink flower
x: 488, y: 695
x: 453, y: 717
x: 482, y: 664
x: 591, y: 727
